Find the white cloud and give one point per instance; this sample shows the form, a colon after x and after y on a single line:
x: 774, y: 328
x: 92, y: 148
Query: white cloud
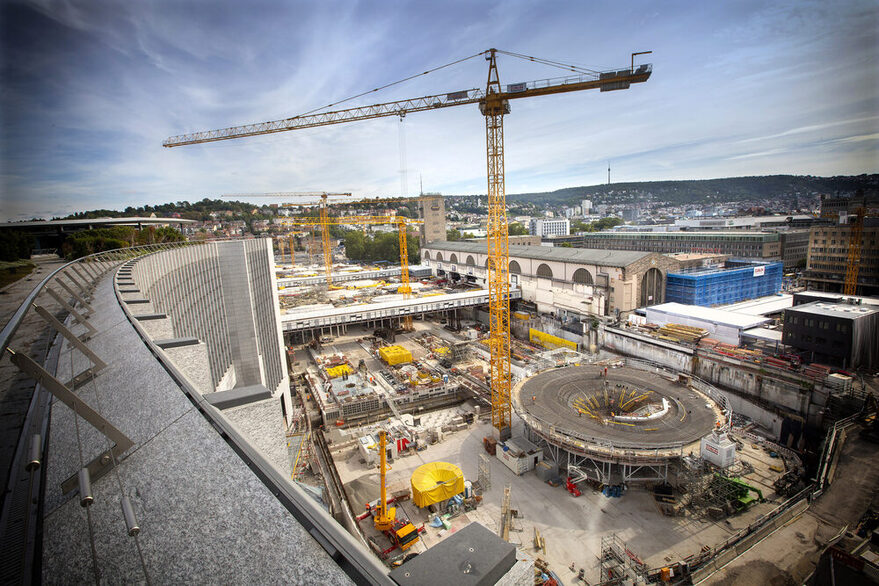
x: 737, y: 89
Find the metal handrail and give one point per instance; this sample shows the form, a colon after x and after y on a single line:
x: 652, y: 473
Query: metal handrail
x: 15, y: 321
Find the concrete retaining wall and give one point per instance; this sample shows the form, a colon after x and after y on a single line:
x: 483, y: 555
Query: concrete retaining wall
x: 776, y: 394
x: 644, y: 348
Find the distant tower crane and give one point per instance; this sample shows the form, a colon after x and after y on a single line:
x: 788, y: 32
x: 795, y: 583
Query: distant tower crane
x: 325, y: 233
x: 850, y: 285
x: 493, y: 103
x: 402, y: 224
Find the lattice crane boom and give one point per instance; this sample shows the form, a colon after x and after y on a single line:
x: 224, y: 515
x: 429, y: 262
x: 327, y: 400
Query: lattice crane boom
x: 494, y: 104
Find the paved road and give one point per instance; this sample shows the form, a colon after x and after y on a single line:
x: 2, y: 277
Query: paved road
x: 554, y: 392
x: 32, y: 337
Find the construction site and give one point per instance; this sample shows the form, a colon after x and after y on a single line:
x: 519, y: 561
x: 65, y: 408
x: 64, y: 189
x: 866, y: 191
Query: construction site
x: 393, y: 433
x: 429, y: 401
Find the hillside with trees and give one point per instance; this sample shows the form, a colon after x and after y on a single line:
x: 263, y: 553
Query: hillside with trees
x: 698, y: 191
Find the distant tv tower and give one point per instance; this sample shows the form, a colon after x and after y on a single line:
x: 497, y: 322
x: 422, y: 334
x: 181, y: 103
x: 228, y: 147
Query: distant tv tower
x: 608, y: 172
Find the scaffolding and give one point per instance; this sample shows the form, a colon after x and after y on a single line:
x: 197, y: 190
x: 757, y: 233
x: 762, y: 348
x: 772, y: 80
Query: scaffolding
x: 617, y: 562
x: 483, y: 476
x: 709, y: 493
x: 739, y: 281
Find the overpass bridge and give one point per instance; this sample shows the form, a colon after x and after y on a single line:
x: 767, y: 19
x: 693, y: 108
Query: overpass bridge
x: 356, y: 314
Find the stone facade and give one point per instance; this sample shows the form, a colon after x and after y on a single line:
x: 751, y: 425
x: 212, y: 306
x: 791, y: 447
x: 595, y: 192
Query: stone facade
x: 572, y: 282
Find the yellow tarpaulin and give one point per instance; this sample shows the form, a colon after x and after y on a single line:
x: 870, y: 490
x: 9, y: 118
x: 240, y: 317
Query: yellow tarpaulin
x: 340, y: 370
x: 435, y: 482
x: 395, y: 355
x: 549, y: 341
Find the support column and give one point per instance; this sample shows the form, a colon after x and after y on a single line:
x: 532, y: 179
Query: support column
x: 88, y: 308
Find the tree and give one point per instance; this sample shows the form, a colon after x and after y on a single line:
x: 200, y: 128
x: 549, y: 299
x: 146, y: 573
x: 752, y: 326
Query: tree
x: 15, y: 244
x: 384, y: 246
x: 606, y: 223
x: 453, y: 235
x: 517, y: 229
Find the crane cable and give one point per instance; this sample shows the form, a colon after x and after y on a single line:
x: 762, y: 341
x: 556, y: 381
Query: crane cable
x: 569, y: 67
x: 405, y: 79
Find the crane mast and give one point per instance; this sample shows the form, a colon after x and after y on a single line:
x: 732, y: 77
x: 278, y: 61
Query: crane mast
x: 850, y: 285
x: 493, y: 108
x: 493, y: 104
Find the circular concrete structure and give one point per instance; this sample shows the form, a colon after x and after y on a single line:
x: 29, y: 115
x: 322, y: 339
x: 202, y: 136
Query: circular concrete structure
x: 633, y: 416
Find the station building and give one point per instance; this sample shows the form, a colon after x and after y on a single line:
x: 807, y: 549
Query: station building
x: 742, y: 243
x: 564, y: 281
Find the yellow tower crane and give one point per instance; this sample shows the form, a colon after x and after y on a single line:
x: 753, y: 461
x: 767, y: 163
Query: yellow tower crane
x: 850, y: 285
x: 494, y: 103
x: 322, y: 205
x: 402, y: 224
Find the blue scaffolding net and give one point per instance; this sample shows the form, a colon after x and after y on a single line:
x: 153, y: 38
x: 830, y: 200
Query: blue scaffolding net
x: 739, y: 280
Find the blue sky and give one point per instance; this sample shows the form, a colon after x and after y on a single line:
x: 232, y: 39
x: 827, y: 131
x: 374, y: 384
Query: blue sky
x: 91, y: 88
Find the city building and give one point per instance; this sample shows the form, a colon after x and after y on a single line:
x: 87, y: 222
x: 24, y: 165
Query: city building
x: 563, y: 280
x: 744, y: 244
x: 750, y: 222
x: 794, y: 248
x: 844, y: 334
x: 630, y: 214
x: 828, y: 258
x: 550, y: 227
x: 737, y: 280
x: 433, y: 211
x: 586, y: 207
x: 839, y: 208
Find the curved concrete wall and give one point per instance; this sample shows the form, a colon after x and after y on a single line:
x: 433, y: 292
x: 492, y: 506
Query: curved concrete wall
x: 224, y: 294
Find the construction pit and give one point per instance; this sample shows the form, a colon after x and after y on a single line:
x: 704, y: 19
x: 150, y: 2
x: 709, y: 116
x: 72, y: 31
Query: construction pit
x: 573, y: 529
x: 427, y: 389
x: 358, y: 376
x: 614, y: 425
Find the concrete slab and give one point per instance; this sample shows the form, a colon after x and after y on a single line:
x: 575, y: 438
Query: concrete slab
x: 238, y: 396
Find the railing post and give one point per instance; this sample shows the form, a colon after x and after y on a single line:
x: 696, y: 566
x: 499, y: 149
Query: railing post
x: 76, y: 315
x: 97, y: 364
x: 104, y: 462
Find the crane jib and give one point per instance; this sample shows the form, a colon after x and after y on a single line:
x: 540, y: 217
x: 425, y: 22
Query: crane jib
x: 606, y: 81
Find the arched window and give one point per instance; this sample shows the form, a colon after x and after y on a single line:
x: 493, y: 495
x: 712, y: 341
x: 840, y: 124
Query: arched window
x: 515, y: 268
x: 470, y: 260
x: 426, y: 255
x: 439, y: 257
x: 453, y: 259
x: 582, y: 276
x: 544, y: 271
